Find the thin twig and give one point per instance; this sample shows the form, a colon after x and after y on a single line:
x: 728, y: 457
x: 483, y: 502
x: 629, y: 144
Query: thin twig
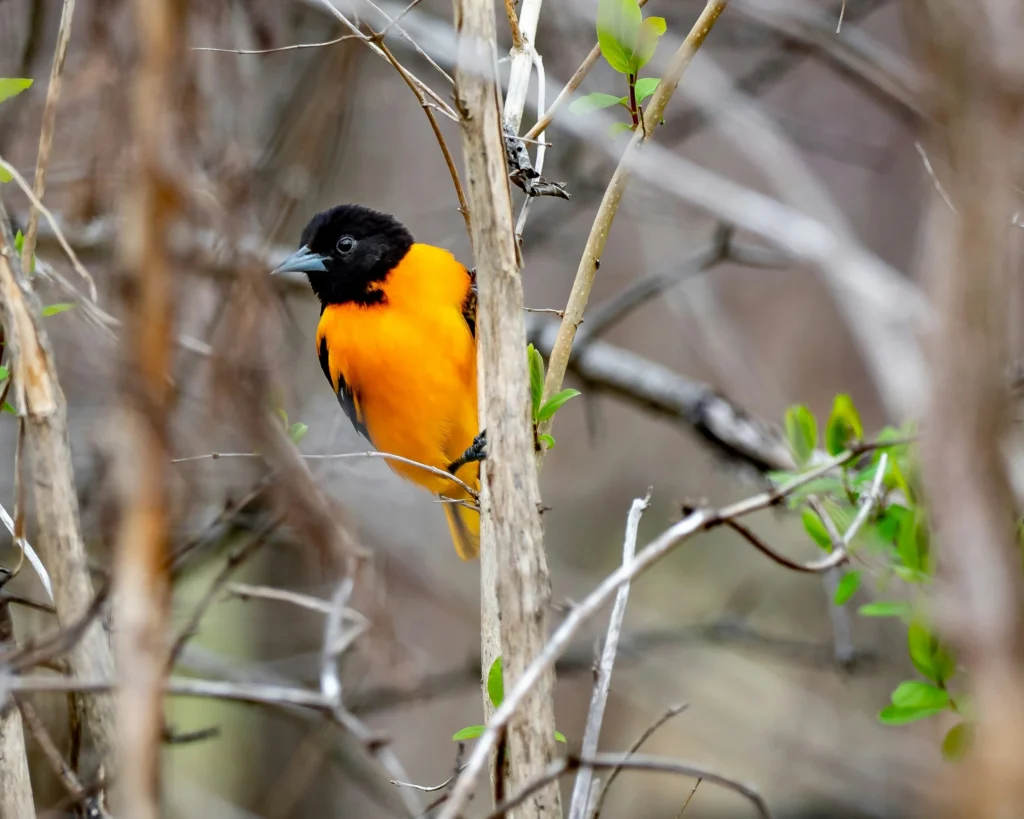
x: 235, y: 560
x: 587, y: 270
x: 46, y: 744
x: 646, y: 734
x: 578, y: 807
x: 334, y: 642
x: 565, y: 765
x: 245, y: 591
x: 46, y: 133
x: 839, y: 26
x: 30, y: 554
x: 420, y: 90
x: 293, y: 47
x: 441, y: 142
x: 931, y: 173
x: 19, y: 180
x: 696, y: 785
x: 428, y: 788
x: 574, y: 82
x: 339, y: 456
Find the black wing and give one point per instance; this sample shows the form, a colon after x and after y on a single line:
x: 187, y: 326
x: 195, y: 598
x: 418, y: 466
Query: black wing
x: 469, y: 303
x: 345, y: 396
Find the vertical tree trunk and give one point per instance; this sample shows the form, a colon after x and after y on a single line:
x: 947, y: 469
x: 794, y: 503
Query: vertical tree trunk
x: 516, y: 588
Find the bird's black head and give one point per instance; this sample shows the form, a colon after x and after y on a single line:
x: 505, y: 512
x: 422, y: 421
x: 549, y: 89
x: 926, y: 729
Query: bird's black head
x: 347, y: 252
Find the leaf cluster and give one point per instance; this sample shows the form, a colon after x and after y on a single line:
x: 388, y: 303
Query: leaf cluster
x: 895, y: 543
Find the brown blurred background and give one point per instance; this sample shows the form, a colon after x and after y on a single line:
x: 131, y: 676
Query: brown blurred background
x: 269, y: 140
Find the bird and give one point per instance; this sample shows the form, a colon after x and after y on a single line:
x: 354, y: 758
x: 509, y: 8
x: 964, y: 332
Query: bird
x: 396, y: 340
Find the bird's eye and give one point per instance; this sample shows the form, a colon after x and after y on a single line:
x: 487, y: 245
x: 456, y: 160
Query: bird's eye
x: 345, y: 244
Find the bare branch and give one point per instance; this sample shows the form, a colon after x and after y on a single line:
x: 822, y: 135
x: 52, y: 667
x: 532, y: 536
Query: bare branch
x: 16, y: 801
x: 581, y: 790
x: 46, y: 134
x: 62, y: 549
x: 585, y: 274
x: 646, y: 734
x: 570, y: 87
x: 515, y: 584
x: 560, y: 767
x: 690, y: 404
x: 142, y: 596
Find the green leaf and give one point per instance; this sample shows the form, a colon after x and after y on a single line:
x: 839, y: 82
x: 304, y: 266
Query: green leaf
x: 929, y: 656
x: 54, y: 309
x: 19, y: 245
x: 469, y: 732
x: 594, y: 102
x: 547, y: 440
x: 297, y: 431
x: 4, y: 372
x: 885, y: 608
x: 646, y: 42
x: 844, y: 425
x: 912, y: 543
x: 943, y: 663
x: 555, y: 402
x: 282, y: 415
x: 4, y: 176
x: 8, y: 408
x: 495, y: 683
x: 919, y: 695
x: 618, y: 24
x: 617, y: 128
x: 894, y: 715
x: 658, y: 24
x: 559, y: 736
x: 816, y: 529
x: 646, y: 87
x: 802, y: 432
x: 957, y: 742
x: 847, y: 588
x: 891, y: 521
x: 11, y: 87
x: 536, y: 362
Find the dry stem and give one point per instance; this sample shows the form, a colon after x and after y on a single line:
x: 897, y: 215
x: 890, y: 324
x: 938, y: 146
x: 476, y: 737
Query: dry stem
x: 46, y: 134
x: 585, y: 274
x: 514, y: 572
x: 142, y: 576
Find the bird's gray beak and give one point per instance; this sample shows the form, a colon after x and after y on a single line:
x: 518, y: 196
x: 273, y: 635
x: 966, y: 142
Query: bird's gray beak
x: 302, y: 260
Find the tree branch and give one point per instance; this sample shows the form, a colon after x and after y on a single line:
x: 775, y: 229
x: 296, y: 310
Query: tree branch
x: 585, y: 274
x: 46, y: 134
x: 515, y: 586
x: 41, y: 403
x: 581, y: 790
x: 16, y: 801
x: 142, y: 596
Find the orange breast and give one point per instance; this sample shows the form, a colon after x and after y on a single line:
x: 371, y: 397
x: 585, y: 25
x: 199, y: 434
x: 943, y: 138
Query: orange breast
x: 411, y: 365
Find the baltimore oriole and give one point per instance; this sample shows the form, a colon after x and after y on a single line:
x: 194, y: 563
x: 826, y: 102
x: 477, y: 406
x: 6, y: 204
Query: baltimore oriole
x: 397, y: 342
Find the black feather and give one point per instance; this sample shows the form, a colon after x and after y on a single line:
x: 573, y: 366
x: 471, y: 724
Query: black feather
x: 345, y: 396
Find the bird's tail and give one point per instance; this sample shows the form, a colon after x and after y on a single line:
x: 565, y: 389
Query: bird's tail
x: 464, y: 524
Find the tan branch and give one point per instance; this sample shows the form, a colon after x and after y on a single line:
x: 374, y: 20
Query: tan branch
x: 514, y: 571
x: 61, y: 547
x: 16, y: 801
x: 599, y: 231
x: 46, y: 134
x: 143, y: 582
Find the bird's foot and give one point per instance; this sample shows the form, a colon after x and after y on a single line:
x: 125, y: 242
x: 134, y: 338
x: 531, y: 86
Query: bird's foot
x: 476, y: 451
